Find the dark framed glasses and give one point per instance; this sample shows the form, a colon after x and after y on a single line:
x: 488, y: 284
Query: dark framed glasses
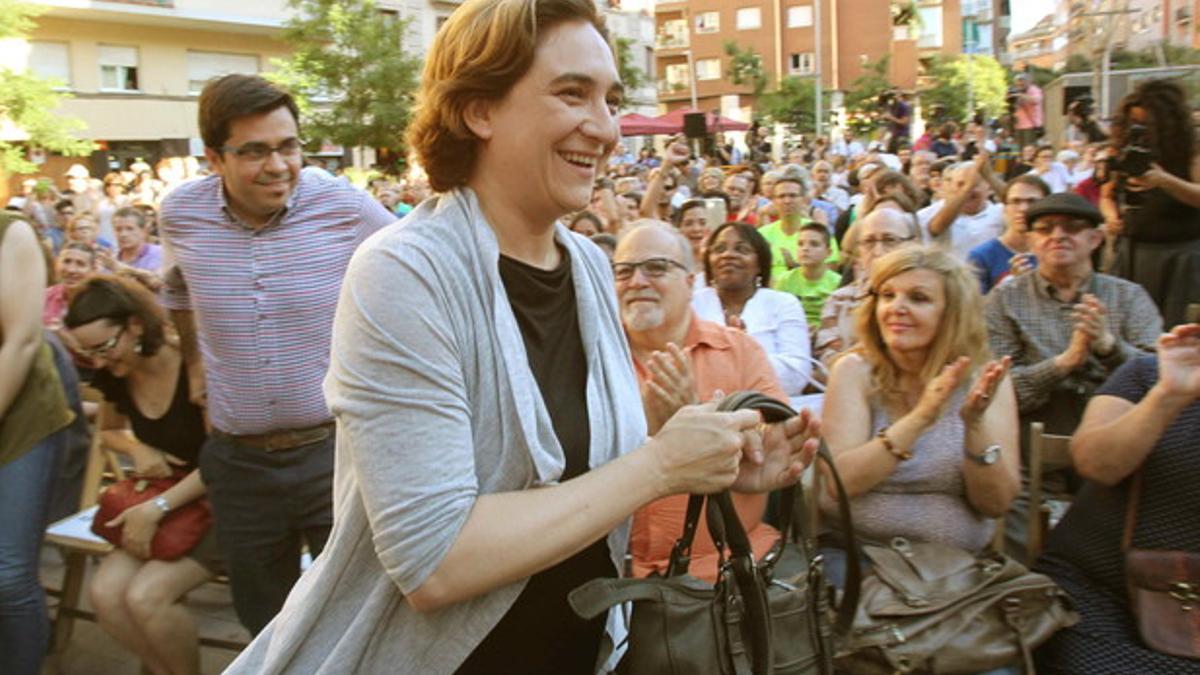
x: 651, y: 267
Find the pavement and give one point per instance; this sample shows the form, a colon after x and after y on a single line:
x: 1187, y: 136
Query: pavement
x: 92, y: 652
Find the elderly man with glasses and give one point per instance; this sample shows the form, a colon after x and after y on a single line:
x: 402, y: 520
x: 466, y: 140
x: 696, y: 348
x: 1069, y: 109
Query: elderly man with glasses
x: 1066, y: 326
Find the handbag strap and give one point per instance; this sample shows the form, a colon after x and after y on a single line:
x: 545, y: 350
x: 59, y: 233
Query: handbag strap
x: 1131, y: 509
x: 793, y: 524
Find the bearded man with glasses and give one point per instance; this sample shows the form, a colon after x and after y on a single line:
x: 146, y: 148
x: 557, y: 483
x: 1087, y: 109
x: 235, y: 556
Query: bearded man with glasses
x: 1066, y: 327
x: 255, y: 255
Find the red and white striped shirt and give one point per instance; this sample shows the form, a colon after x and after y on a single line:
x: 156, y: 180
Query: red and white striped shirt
x: 264, y: 300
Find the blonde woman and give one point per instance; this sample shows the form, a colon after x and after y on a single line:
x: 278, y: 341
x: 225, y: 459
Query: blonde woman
x: 922, y: 426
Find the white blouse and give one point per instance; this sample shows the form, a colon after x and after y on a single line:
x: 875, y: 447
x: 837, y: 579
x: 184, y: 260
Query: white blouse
x: 776, y: 320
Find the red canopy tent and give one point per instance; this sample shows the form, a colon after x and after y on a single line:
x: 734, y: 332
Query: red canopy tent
x: 633, y: 124
x: 713, y: 122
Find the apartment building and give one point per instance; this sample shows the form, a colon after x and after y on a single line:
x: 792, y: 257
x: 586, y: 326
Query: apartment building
x: 1044, y: 45
x: 691, y: 36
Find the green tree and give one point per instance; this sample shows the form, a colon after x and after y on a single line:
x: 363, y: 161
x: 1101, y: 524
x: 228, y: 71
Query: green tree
x: 862, y: 99
x: 746, y: 67
x: 959, y: 78
x: 793, y: 104
x: 28, y: 102
x: 631, y: 76
x: 352, y: 75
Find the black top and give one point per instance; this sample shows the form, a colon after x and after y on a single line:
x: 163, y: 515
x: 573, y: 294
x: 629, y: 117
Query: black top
x: 540, y: 633
x: 1160, y: 218
x: 1083, y: 552
x: 180, y: 431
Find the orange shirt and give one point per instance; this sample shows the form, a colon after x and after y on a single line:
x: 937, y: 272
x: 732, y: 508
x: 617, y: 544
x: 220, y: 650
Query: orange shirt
x: 728, y: 360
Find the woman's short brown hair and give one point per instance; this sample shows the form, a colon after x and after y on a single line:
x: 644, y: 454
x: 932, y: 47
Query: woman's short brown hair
x: 479, y: 54
x: 117, y: 299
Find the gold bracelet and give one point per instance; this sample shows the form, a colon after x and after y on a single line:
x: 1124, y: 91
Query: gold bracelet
x: 898, y: 453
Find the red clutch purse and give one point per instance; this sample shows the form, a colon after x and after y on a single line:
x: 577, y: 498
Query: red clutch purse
x: 178, y: 532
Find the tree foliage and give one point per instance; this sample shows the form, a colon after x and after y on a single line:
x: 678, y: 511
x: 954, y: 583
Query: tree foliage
x: 352, y: 75
x: 746, y: 67
x: 959, y: 78
x: 793, y: 104
x: 862, y: 99
x: 28, y: 102
x: 631, y: 76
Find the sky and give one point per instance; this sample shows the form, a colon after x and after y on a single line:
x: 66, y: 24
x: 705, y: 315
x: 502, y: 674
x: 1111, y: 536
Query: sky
x: 1025, y: 13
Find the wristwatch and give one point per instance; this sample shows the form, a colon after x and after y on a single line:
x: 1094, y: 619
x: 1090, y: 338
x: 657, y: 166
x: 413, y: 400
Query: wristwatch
x: 989, y: 456
x: 162, y: 503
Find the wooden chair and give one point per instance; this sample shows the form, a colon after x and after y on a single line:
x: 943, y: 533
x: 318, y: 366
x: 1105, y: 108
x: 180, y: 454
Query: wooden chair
x: 1047, y: 452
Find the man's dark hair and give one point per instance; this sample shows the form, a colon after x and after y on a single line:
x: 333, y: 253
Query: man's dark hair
x: 1025, y: 179
x: 818, y: 228
x: 131, y: 212
x: 62, y: 204
x: 690, y: 204
x: 235, y: 96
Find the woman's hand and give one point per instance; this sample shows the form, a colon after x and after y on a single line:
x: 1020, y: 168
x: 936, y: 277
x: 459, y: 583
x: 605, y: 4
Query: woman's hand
x: 788, y: 448
x: 152, y: 463
x: 983, y: 393
x: 699, y: 450
x: 939, y: 390
x: 1179, y: 361
x: 138, y: 525
x: 670, y: 387
x: 1154, y: 177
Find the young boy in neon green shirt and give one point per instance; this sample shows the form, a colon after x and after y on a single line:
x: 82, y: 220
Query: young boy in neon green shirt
x: 812, y: 281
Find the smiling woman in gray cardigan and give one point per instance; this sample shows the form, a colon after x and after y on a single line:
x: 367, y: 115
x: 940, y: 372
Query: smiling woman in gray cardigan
x: 456, y: 503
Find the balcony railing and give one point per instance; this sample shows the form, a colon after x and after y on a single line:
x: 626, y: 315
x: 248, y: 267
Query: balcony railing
x: 666, y: 88
x: 671, y: 41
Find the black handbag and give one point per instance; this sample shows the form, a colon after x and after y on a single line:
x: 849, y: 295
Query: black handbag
x: 761, y: 617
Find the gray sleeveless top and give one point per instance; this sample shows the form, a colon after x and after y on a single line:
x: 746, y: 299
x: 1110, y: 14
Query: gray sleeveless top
x: 925, y: 498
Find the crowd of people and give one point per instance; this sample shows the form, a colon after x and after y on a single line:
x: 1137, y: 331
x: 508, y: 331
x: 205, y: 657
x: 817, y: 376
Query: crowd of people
x: 558, y: 312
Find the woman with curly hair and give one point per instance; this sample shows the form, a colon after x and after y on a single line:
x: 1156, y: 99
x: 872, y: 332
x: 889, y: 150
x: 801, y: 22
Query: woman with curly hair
x: 1155, y: 216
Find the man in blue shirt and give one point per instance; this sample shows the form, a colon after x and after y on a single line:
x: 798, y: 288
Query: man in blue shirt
x: 995, y: 260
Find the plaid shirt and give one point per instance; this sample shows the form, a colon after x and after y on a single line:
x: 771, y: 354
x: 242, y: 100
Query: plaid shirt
x: 1027, y: 322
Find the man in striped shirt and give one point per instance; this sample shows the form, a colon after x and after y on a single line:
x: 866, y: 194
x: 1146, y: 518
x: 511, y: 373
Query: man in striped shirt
x: 256, y: 255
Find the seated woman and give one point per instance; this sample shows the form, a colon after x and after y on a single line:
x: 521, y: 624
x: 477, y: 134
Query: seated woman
x: 74, y: 262
x: 923, y: 429
x: 737, y: 266
x: 1144, y: 418
x: 147, y: 415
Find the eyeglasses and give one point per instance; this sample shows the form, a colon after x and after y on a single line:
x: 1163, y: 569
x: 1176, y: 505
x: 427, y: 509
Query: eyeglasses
x: 1045, y: 229
x: 651, y: 267
x: 103, y: 348
x: 887, y: 241
x: 256, y: 151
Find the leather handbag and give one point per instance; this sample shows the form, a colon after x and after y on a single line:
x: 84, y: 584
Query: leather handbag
x: 932, y: 608
x: 770, y: 616
x: 1164, y: 590
x: 178, y: 532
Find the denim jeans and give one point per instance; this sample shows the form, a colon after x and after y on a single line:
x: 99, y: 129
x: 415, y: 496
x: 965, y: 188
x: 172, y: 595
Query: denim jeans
x: 266, y: 505
x: 25, y: 487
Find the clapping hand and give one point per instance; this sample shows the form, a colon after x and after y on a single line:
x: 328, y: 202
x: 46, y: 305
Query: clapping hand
x: 669, y: 387
x: 939, y: 390
x: 787, y: 448
x: 984, y: 391
x: 1089, y: 317
x: 1179, y: 361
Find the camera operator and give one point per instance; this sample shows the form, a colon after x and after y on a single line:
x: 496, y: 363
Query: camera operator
x: 1151, y: 201
x: 1027, y: 109
x: 1081, y: 125
x: 898, y: 115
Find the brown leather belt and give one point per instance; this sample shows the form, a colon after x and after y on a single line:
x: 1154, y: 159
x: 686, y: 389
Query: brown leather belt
x: 282, y: 439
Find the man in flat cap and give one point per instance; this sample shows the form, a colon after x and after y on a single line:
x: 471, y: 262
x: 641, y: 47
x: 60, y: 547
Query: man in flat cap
x: 1066, y: 326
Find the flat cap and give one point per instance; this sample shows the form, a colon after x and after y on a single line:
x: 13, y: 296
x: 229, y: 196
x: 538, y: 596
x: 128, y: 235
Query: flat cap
x: 1065, y: 204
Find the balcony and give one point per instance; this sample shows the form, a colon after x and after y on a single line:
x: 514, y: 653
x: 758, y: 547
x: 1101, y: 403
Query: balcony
x: 1183, y: 15
x: 672, y: 34
x: 673, y: 89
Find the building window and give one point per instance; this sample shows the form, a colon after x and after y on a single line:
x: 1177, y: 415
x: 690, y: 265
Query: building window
x: 749, y: 18
x: 708, y: 69
x: 800, y: 16
x: 804, y: 63
x: 677, y: 76
x: 50, y: 60
x: 204, y: 66
x: 708, y: 22
x: 931, y: 27
x: 673, y: 34
x: 118, y: 68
